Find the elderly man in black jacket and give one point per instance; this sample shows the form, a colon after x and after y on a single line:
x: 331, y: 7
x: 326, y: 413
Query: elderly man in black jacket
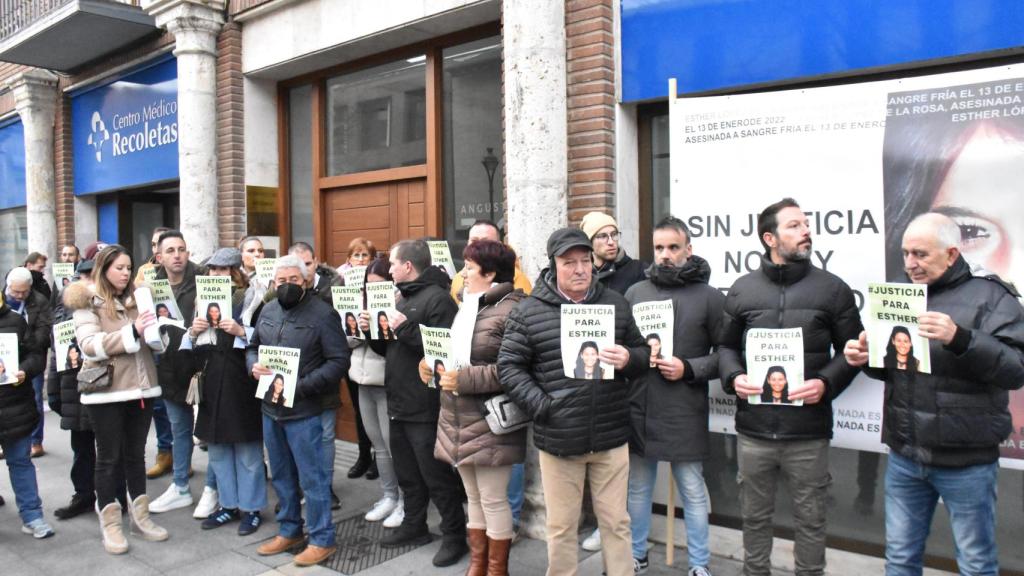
x: 580, y: 426
x: 298, y: 319
x: 944, y: 428
x: 414, y: 408
x: 18, y: 416
x: 670, y: 400
x: 787, y: 292
x: 34, y: 307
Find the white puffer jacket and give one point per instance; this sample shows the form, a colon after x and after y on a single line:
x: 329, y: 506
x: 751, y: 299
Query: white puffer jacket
x: 367, y: 368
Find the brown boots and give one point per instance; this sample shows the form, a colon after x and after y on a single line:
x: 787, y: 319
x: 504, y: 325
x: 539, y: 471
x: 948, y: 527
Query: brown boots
x: 497, y: 557
x: 477, y: 552
x: 487, y: 557
x: 110, y: 525
x: 164, y: 463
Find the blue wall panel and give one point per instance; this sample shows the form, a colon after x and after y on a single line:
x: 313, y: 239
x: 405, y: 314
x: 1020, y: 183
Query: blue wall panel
x: 12, y: 165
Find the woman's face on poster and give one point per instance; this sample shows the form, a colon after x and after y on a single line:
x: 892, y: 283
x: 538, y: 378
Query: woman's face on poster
x: 73, y: 354
x: 214, y: 314
x: 777, y: 380
x: 589, y: 356
x: 350, y: 320
x: 983, y: 185
x: 902, y: 343
x: 382, y: 322
x: 655, y: 345
x: 162, y: 311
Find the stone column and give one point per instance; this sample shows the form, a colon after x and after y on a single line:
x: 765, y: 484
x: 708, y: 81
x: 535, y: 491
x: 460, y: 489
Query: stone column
x: 534, y: 69
x: 35, y: 99
x: 195, y: 25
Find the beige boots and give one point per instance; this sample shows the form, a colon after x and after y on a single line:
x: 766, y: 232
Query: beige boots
x: 141, y: 520
x: 110, y: 525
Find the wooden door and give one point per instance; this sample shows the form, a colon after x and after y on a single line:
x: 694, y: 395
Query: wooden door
x: 383, y: 212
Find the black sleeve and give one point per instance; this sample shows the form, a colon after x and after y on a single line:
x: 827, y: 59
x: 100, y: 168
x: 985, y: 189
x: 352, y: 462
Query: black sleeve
x: 730, y: 342
x: 704, y: 368
x: 846, y: 325
x: 514, y: 373
x: 995, y: 354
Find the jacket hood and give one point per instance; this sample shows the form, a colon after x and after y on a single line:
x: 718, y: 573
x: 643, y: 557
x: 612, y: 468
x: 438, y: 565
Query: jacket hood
x: 954, y: 276
x: 546, y: 289
x: 431, y: 276
x: 696, y: 270
x: 78, y: 296
x: 785, y: 274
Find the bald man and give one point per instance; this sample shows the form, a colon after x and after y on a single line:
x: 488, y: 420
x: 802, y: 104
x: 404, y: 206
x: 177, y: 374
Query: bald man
x: 944, y: 428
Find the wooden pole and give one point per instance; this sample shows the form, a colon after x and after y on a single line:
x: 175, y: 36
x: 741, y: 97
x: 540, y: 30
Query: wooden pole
x: 670, y: 521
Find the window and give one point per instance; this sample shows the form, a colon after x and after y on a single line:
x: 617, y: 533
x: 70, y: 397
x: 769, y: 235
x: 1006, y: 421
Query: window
x: 14, y: 242
x: 300, y: 162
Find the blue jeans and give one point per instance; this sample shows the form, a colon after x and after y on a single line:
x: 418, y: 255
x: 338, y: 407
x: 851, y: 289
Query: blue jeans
x: 164, y: 437
x: 182, y: 424
x: 516, y: 486
x: 643, y: 472
x: 239, y: 470
x: 327, y: 431
x: 37, y: 433
x: 295, y: 449
x: 911, y: 492
x: 23, y: 478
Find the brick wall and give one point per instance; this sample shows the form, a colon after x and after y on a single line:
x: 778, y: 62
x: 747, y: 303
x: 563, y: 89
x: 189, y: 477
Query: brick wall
x: 230, y: 141
x: 7, y: 70
x: 590, y: 60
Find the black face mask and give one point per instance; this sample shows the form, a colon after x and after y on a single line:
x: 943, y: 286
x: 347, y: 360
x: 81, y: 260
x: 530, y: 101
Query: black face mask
x: 288, y: 295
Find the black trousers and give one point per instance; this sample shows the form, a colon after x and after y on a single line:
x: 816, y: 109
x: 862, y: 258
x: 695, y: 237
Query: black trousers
x: 83, y: 462
x: 121, y: 429
x: 423, y: 478
x: 365, y: 447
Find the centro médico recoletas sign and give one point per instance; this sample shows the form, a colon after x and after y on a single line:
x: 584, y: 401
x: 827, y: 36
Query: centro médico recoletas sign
x: 125, y: 133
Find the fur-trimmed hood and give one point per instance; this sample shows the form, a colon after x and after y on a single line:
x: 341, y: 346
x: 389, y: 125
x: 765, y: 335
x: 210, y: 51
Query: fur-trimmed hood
x: 78, y: 296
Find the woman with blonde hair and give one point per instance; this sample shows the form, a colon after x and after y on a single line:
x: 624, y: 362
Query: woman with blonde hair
x: 109, y: 329
x: 361, y: 252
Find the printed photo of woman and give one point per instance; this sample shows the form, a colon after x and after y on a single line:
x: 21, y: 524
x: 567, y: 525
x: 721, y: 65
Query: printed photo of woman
x: 587, y: 362
x: 351, y: 325
x: 776, y: 387
x: 213, y: 315
x: 384, y: 331
x: 275, y: 392
x: 899, y: 352
x: 73, y: 360
x: 654, y: 341
x: 439, y: 370
x: 163, y: 312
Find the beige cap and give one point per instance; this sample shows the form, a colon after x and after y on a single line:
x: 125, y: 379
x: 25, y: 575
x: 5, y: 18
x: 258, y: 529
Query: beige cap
x: 594, y: 221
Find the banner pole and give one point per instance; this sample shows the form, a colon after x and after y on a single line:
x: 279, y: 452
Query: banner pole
x: 670, y: 519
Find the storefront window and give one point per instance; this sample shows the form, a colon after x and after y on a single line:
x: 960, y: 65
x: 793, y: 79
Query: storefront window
x: 14, y: 242
x: 660, y: 179
x: 300, y: 162
x: 472, y: 138
x: 377, y: 118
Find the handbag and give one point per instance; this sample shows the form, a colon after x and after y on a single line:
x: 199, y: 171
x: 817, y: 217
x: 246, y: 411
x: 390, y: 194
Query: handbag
x: 503, y: 415
x: 195, y: 387
x: 95, y: 379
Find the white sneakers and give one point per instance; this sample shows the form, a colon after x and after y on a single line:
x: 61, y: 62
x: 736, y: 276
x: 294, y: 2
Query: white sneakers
x: 382, y: 509
x: 207, y: 504
x: 396, y: 517
x: 172, y: 499
x: 592, y: 543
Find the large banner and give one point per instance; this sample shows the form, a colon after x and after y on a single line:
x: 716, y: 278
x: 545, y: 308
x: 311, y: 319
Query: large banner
x: 862, y: 160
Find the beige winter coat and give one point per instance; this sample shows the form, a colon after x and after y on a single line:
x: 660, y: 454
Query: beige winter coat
x: 111, y: 340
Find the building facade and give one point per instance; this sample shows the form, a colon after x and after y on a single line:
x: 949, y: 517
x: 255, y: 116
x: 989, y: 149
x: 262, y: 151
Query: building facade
x: 324, y: 120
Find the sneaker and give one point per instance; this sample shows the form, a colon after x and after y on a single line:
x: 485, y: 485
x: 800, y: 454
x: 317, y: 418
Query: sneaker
x: 38, y: 528
x: 640, y: 565
x: 250, y: 523
x: 406, y: 535
x: 219, y: 518
x: 207, y: 504
x: 172, y: 499
x: 698, y: 571
x: 592, y: 543
x: 397, y: 516
x: 382, y: 509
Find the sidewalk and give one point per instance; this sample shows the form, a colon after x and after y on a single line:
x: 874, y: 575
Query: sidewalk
x: 76, y: 549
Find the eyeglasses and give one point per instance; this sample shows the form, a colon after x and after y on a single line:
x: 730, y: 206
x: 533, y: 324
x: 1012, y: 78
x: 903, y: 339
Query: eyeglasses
x: 606, y: 236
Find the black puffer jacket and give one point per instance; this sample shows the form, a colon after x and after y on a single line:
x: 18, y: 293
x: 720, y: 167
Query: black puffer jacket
x: 958, y: 415
x: 40, y: 320
x: 425, y: 302
x: 312, y: 327
x: 570, y: 416
x: 175, y: 368
x: 670, y: 419
x: 794, y: 295
x: 622, y: 273
x: 18, y: 413
x: 62, y: 387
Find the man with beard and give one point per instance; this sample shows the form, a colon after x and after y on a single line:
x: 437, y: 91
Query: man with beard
x: 669, y: 400
x: 788, y: 440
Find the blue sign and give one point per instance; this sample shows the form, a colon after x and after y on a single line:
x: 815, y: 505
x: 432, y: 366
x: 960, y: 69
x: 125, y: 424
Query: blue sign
x: 12, y: 165
x: 722, y: 44
x: 125, y: 133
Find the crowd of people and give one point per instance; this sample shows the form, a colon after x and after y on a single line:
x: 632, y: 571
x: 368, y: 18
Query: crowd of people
x: 427, y: 434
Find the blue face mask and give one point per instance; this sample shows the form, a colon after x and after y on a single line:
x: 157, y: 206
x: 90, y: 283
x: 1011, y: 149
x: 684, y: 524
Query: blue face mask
x: 12, y: 302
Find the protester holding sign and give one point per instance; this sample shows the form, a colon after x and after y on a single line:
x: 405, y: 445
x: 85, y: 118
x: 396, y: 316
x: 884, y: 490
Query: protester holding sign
x: 944, y: 429
x: 579, y: 426
x: 787, y: 292
x: 669, y: 401
x: 464, y: 439
x: 414, y: 408
x: 488, y: 230
x: 229, y: 415
x: 294, y: 436
x: 176, y: 369
x: 35, y: 308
